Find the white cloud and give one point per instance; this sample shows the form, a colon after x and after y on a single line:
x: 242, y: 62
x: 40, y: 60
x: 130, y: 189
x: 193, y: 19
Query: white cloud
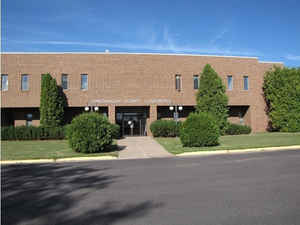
x: 219, y: 36
x: 167, y: 46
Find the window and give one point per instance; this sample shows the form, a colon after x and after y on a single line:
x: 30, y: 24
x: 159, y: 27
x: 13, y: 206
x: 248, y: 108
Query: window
x: 196, y: 82
x: 29, y: 119
x: 229, y: 82
x: 64, y: 81
x: 177, y: 82
x: 84, y: 81
x: 246, y: 83
x: 24, y: 83
x: 4, y: 82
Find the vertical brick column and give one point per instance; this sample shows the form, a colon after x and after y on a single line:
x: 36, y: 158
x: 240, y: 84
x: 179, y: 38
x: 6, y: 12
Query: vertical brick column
x: 152, y: 117
x: 112, y: 113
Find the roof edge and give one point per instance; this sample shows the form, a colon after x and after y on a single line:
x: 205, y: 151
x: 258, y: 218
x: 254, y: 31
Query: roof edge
x: 129, y: 53
x: 271, y: 62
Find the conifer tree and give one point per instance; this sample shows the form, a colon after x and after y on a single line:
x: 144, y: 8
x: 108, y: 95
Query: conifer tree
x: 51, y: 103
x: 282, y: 94
x: 211, y: 97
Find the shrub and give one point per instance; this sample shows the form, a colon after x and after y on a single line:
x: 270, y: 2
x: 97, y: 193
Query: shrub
x: 200, y: 129
x: 282, y: 94
x: 23, y: 133
x: 115, y: 131
x: 89, y: 132
x: 52, y: 132
x: 236, y: 129
x: 165, y: 128
x: 8, y: 133
x: 212, y: 98
x: 32, y: 133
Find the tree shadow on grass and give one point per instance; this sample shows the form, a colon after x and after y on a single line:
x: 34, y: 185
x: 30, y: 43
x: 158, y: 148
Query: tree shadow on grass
x: 45, y: 194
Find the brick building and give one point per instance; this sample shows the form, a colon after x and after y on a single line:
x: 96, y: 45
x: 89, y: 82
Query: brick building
x: 130, y: 87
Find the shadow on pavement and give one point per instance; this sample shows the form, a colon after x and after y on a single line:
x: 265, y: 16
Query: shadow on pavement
x: 46, y: 194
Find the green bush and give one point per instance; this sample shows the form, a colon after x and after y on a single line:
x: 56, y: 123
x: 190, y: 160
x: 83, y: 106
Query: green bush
x: 89, y: 132
x: 236, y: 129
x: 115, y: 131
x: 52, y: 132
x: 8, y: 133
x: 165, y: 128
x: 282, y: 94
x: 32, y: 133
x: 200, y: 129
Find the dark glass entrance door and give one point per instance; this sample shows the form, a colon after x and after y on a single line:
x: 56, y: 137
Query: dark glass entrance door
x: 132, y: 124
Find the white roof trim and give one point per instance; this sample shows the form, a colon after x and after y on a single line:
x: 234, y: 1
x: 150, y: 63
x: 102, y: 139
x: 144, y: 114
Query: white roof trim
x: 124, y: 53
x: 270, y: 62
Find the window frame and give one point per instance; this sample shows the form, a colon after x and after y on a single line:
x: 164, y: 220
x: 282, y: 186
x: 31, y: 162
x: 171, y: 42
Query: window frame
x: 246, y: 78
x: 66, y: 81
x: 229, y: 87
x: 4, y: 75
x: 27, y: 80
x: 29, y: 118
x: 178, y: 86
x: 198, y: 84
x: 81, y: 81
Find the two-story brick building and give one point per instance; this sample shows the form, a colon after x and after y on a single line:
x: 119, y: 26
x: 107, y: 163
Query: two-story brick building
x: 130, y: 87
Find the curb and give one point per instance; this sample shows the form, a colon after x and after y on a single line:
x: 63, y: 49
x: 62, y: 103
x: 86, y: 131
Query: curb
x: 238, y: 151
x: 74, y: 159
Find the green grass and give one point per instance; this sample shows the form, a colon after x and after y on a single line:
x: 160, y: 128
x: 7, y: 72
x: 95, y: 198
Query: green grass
x: 18, y: 150
x: 173, y: 145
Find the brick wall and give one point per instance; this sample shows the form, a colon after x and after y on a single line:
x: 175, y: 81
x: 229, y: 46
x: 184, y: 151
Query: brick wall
x: 133, y: 80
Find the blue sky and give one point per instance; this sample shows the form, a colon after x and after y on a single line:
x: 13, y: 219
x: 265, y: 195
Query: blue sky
x: 269, y: 30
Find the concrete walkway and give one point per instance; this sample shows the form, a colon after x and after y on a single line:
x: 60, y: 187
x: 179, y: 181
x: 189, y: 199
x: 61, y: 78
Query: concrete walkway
x: 141, y: 147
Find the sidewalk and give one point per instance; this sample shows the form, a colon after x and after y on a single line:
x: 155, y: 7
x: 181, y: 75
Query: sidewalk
x: 141, y: 147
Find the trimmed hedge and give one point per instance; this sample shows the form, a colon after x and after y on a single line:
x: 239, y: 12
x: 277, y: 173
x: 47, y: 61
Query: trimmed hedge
x: 165, y: 128
x: 32, y: 133
x: 236, y: 129
x: 200, y: 129
x: 89, y: 133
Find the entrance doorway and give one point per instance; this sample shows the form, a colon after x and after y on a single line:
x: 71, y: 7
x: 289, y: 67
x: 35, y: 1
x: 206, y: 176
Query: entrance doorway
x: 132, y: 120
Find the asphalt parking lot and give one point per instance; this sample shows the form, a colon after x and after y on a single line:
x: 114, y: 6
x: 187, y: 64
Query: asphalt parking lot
x: 238, y: 189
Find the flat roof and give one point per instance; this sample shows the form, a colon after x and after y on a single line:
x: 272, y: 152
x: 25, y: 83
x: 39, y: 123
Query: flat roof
x: 141, y: 53
x: 129, y: 53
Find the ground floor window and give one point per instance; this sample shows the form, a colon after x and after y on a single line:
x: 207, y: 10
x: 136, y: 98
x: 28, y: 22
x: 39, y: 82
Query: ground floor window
x: 29, y: 119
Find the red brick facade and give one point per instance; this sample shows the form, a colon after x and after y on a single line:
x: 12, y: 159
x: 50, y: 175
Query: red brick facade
x: 116, y: 80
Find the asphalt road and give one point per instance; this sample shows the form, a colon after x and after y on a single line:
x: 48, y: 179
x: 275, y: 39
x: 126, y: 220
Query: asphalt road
x: 256, y: 188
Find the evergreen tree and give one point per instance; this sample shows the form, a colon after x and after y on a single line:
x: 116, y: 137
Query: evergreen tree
x: 211, y: 97
x: 282, y: 95
x: 51, y: 103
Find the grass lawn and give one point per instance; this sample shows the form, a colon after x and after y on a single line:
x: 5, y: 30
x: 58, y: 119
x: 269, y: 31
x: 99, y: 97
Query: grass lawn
x: 54, y: 149
x: 173, y: 145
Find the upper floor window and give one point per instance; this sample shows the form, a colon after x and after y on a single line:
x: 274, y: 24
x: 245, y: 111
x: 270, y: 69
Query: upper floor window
x: 24, y: 82
x: 4, y: 82
x: 64, y: 81
x: 246, y: 83
x: 84, y: 81
x: 229, y: 82
x: 196, y: 82
x: 178, y: 82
